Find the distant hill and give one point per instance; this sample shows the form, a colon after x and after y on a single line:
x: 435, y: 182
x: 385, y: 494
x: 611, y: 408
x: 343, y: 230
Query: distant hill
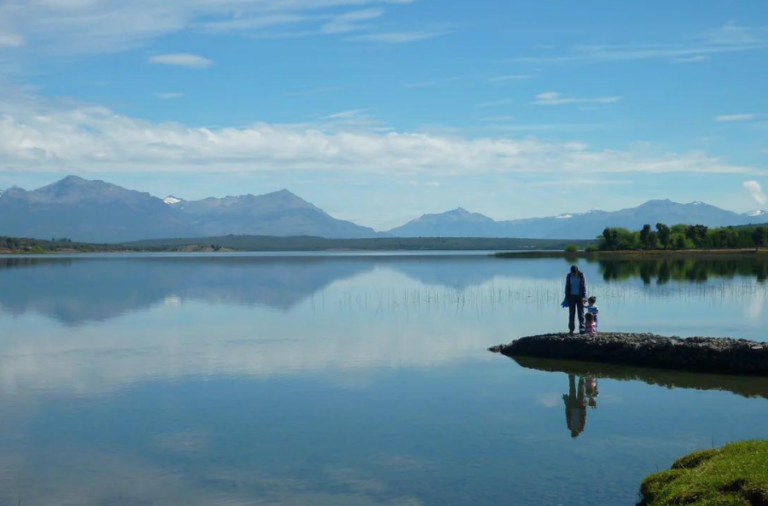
x: 575, y: 226
x: 266, y: 243
x: 456, y: 223
x: 85, y: 210
x: 277, y: 214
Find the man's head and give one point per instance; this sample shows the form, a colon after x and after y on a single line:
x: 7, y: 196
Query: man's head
x: 574, y: 269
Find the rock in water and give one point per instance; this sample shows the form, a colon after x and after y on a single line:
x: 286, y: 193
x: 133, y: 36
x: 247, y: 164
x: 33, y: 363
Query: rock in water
x: 703, y: 354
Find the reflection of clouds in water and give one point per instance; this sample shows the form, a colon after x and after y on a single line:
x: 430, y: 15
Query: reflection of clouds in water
x: 89, y: 363
x: 172, y: 301
x: 86, y: 476
x: 182, y: 441
x: 549, y: 400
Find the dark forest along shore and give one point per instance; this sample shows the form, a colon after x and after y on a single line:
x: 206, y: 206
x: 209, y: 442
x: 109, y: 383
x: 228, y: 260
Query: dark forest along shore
x: 352, y: 379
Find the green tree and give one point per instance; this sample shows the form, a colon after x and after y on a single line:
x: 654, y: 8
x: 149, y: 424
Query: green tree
x: 645, y: 234
x: 664, y: 234
x: 571, y: 248
x: 697, y: 234
x: 608, y: 239
x: 759, y: 237
x: 653, y: 240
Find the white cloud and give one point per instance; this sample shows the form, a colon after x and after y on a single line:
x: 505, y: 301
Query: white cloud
x: 756, y: 192
x: 37, y: 135
x: 192, y: 61
x: 554, y: 98
x: 691, y: 59
x: 351, y: 21
x: 249, y: 23
x: 312, y: 92
x: 504, y: 102
x: 398, y: 37
x: 735, y: 117
x: 353, y: 113
x: 506, y: 79
x: 10, y: 40
x: 169, y: 95
x: 104, y: 26
x: 730, y: 38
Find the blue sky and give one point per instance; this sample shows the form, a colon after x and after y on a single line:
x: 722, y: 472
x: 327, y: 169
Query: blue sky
x: 379, y: 111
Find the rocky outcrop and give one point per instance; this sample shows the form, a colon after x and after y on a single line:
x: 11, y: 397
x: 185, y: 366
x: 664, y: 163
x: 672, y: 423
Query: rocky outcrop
x: 701, y: 354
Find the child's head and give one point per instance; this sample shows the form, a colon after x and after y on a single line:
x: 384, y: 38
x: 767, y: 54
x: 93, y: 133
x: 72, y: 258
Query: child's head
x: 590, y: 318
x: 592, y: 300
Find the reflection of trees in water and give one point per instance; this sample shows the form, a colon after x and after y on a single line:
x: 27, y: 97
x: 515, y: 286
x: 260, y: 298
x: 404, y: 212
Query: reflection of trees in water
x: 683, y: 269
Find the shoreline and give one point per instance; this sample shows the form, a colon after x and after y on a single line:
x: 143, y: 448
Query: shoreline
x: 525, y: 254
x: 636, y: 254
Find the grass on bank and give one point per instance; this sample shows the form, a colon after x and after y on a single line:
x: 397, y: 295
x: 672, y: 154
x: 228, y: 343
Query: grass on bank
x: 734, y: 475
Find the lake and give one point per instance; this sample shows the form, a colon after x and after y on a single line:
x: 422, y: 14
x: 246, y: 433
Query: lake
x: 352, y: 379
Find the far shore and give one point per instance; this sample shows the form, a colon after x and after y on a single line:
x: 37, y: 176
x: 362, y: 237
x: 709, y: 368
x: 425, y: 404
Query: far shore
x: 603, y: 255
x: 635, y: 254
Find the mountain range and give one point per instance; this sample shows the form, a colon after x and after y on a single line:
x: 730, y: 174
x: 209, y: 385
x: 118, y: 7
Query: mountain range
x: 97, y: 211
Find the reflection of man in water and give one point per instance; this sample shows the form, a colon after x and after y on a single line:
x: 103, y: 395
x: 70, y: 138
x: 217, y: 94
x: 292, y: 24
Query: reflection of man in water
x: 575, y: 406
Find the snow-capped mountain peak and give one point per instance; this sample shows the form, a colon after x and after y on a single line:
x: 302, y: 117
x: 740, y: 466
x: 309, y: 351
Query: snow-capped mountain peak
x: 170, y: 200
x: 756, y: 213
x: 563, y: 216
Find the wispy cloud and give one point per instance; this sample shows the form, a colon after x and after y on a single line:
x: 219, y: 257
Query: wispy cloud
x: 555, y: 98
x: 11, y: 40
x: 312, y: 92
x: 351, y: 21
x: 735, y: 117
x: 756, y: 192
x: 188, y: 60
x: 169, y: 95
x: 253, y: 22
x: 432, y: 82
x: 353, y: 113
x: 504, y: 102
x: 691, y: 59
x: 498, y: 119
x: 106, y: 26
x: 730, y: 38
x: 398, y: 37
x: 510, y: 78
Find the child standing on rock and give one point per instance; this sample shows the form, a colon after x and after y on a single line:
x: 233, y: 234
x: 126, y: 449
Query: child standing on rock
x: 590, y: 325
x: 592, y: 308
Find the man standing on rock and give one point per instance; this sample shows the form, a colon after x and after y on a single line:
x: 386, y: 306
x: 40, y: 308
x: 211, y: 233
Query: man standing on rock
x: 575, y: 295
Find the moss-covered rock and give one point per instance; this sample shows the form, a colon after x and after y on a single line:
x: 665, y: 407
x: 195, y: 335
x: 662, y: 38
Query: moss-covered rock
x: 734, y: 475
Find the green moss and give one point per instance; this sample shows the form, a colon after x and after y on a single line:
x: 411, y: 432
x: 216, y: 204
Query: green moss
x: 734, y: 475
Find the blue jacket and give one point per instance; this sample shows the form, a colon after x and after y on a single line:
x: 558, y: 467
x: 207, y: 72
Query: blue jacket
x: 583, y: 285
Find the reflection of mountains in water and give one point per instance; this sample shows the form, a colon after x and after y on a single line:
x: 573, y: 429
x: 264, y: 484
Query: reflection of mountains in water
x: 81, y: 289
x: 77, y: 290
x: 744, y: 386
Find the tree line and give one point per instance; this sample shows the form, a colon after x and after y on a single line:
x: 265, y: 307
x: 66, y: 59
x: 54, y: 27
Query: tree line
x: 682, y: 237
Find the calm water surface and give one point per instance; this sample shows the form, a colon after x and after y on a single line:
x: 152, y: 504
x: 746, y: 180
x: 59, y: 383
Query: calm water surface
x: 351, y: 380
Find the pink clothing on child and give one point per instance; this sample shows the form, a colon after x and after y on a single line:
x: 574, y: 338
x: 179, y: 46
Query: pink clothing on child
x: 590, y: 328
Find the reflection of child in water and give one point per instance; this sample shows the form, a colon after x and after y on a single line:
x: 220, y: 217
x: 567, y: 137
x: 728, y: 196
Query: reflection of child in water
x: 592, y: 392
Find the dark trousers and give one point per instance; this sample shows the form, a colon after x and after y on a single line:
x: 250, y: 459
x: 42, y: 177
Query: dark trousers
x: 575, y: 306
